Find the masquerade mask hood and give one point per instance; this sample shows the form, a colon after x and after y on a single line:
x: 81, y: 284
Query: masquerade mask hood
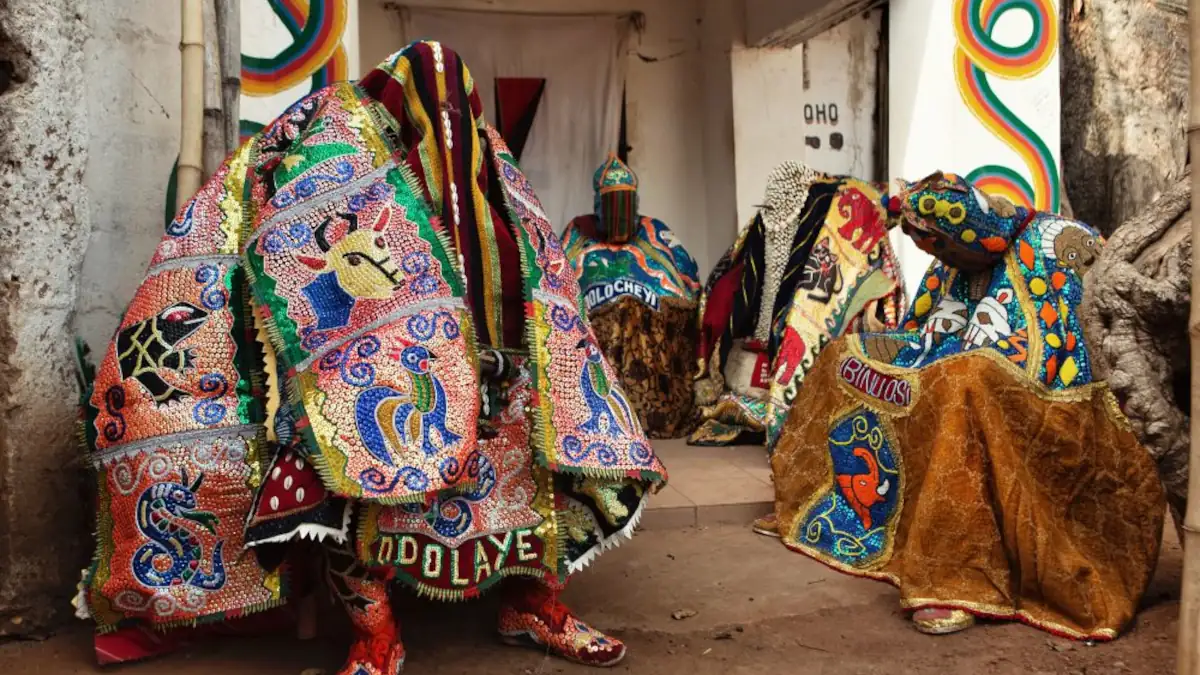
x: 955, y: 221
x: 616, y: 200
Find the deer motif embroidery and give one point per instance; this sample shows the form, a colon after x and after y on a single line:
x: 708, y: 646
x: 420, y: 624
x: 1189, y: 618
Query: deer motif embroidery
x: 356, y: 266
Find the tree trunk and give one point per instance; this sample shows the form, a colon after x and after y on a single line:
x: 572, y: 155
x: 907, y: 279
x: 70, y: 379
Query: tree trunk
x: 1124, y: 102
x: 1135, y: 311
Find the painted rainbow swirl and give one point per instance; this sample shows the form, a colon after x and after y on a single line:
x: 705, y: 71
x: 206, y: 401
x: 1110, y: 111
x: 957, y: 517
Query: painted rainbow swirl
x: 977, y: 57
x: 316, y: 27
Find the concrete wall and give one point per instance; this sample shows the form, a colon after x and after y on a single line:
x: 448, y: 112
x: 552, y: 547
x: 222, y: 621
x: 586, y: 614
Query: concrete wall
x: 44, y: 225
x: 814, y: 103
x: 786, y: 24
x: 674, y: 104
x: 132, y: 116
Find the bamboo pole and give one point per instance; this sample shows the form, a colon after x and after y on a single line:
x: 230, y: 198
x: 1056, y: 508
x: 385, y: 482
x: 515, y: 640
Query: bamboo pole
x: 229, y: 45
x: 1188, y: 648
x: 191, y: 141
x: 214, y: 113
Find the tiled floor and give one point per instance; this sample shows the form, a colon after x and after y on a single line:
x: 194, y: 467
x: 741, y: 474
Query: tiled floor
x: 709, y: 486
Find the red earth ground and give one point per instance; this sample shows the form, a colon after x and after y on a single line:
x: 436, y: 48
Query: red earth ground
x: 758, y: 609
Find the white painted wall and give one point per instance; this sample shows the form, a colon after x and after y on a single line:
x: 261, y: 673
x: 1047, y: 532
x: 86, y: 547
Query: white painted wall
x: 931, y: 128
x: 132, y: 106
x: 670, y: 108
x: 798, y: 103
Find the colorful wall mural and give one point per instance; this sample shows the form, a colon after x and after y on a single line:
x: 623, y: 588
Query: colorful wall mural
x: 974, y: 89
x: 980, y: 56
x: 291, y: 48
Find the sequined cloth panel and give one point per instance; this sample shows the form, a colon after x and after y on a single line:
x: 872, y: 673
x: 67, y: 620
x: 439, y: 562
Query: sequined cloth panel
x: 170, y: 541
x: 463, y: 542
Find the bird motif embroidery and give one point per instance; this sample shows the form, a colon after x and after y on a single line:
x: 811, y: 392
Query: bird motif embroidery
x: 390, y: 419
x: 599, y: 395
x: 148, y: 348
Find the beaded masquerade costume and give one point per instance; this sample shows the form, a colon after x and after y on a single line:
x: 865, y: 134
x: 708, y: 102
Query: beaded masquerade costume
x: 969, y: 458
x: 815, y: 263
x: 640, y: 289
x: 362, y: 330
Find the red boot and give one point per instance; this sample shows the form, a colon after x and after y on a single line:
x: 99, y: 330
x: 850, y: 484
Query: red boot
x: 377, y: 649
x: 532, y: 615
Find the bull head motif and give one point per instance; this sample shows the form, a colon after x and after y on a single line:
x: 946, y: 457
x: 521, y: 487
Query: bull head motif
x: 360, y: 258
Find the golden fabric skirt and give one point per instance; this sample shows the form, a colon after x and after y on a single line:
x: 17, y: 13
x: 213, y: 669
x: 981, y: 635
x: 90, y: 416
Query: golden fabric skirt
x: 968, y: 485
x: 654, y: 354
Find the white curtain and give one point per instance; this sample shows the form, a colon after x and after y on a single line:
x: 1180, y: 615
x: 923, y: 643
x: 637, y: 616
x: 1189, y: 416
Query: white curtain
x: 581, y: 57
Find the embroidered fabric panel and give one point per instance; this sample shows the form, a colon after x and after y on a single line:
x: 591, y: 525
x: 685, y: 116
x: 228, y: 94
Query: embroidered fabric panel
x: 210, y: 223
x: 362, y: 298
x: 1054, y: 280
x: 393, y: 411
x: 587, y: 424
x: 654, y: 354
x: 651, y: 267
x: 172, y: 366
x: 956, y: 222
x: 177, y: 431
x: 849, y: 271
x: 1027, y: 310
x: 346, y: 262
x: 712, y: 318
x: 292, y: 503
x: 512, y: 501
x: 169, y: 537
x: 991, y: 519
x: 582, y: 419
x: 314, y: 150
x: 853, y: 521
x: 595, y: 514
x: 504, y: 496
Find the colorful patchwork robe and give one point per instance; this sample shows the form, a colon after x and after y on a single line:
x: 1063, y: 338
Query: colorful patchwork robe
x: 837, y: 273
x: 640, y: 296
x: 307, y: 338
x: 969, y: 458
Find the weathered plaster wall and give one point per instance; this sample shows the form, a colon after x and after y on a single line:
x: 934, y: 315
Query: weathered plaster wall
x: 814, y: 103
x: 44, y: 226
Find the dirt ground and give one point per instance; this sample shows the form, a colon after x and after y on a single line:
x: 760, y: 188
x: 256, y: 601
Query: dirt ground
x: 759, y: 609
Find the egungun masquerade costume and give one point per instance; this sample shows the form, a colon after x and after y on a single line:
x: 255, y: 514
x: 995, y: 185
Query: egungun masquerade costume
x: 640, y: 289
x: 328, y: 301
x: 970, y: 459
x: 815, y: 263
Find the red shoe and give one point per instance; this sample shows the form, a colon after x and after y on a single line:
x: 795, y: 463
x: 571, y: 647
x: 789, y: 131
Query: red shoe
x: 552, y: 627
x: 377, y: 649
x: 374, y: 657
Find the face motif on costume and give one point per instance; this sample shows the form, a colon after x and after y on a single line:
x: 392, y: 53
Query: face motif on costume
x: 957, y: 222
x: 616, y: 200
x: 359, y: 259
x: 1072, y: 246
